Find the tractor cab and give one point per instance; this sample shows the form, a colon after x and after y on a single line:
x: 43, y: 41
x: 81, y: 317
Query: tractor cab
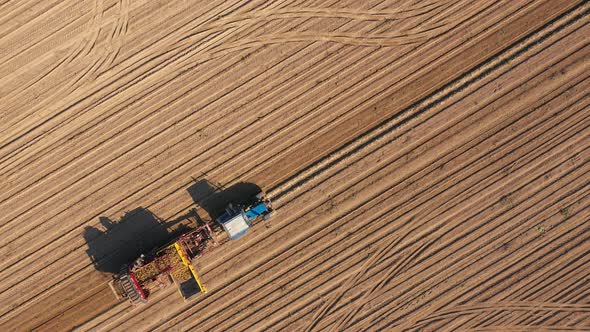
x: 237, y: 219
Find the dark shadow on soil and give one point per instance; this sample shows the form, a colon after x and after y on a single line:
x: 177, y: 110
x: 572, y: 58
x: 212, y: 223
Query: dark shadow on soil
x: 138, y: 232
x: 214, y: 198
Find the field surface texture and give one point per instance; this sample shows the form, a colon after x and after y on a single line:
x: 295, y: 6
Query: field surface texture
x: 428, y: 161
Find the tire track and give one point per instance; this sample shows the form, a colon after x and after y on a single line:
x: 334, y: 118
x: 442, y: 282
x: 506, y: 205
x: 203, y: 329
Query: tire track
x: 523, y: 328
x: 43, y: 26
x: 88, y: 46
x: 302, y: 12
x: 46, y: 132
x: 520, y: 319
x: 389, y: 275
x: 381, y: 319
x: 529, y: 306
x: 119, y: 36
x: 562, y: 296
x: 409, y: 11
x: 406, y: 38
x: 498, y: 313
x: 498, y: 260
x: 93, y: 91
x: 353, y: 280
x: 493, y: 318
x: 13, y: 92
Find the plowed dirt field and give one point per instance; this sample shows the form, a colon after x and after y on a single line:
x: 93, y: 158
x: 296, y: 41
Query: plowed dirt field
x: 428, y: 161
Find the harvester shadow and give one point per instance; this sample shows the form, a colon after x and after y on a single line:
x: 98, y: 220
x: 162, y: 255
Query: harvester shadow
x: 136, y: 233
x: 215, y: 198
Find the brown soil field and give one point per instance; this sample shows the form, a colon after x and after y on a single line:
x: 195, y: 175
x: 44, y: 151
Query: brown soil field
x: 428, y: 161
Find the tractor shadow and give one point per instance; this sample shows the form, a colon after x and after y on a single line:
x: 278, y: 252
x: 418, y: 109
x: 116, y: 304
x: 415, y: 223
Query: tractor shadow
x: 136, y: 233
x: 214, y: 198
